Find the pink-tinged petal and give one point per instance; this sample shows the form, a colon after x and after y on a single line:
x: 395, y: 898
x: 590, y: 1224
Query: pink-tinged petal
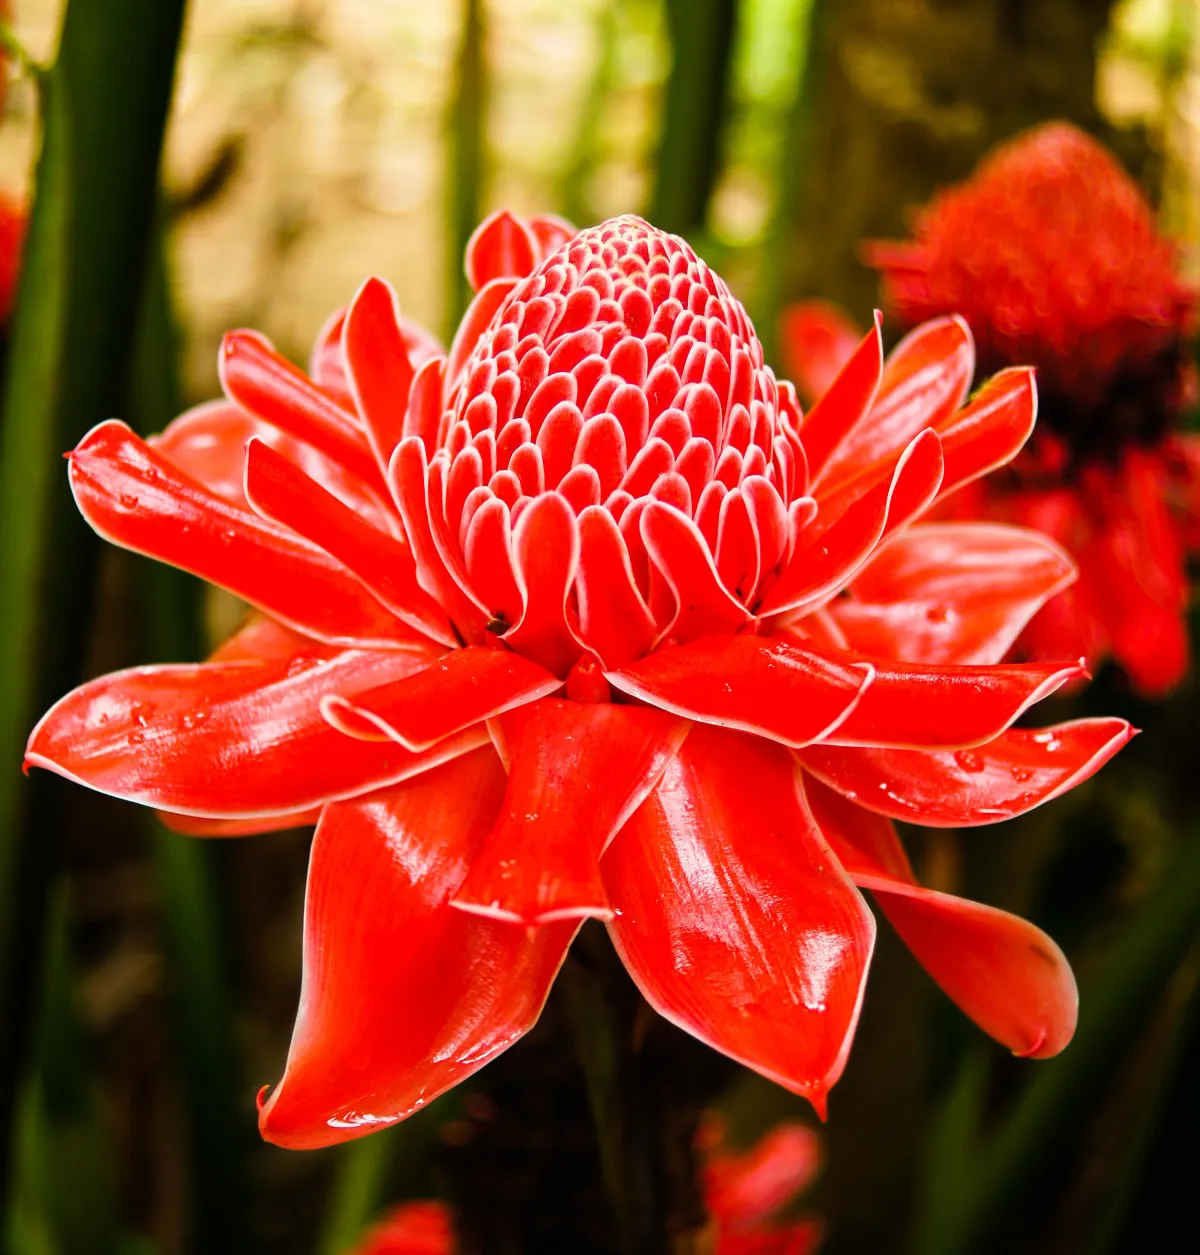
x: 845, y: 403
x: 546, y: 553
x: 925, y: 380
x: 578, y: 771
x: 914, y: 704
x: 501, y: 247
x: 775, y: 688
x: 197, y: 826
x: 826, y: 557
x: 230, y: 740
x: 408, y: 476
x: 614, y: 620
x: 991, y: 431
x: 259, y: 380
x: 209, y: 442
x: 135, y: 498
x: 675, y: 546
x: 403, y: 996
x: 951, y: 592
x: 282, y: 493
x: 1020, y: 769
x: 461, y: 689
x: 734, y: 919
x: 744, y: 1189
x: 816, y: 339
x: 474, y: 323
x: 379, y: 372
x: 1007, y: 975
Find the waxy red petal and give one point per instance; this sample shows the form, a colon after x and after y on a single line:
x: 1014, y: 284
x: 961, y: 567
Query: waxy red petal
x: 733, y: 918
x: 614, y: 620
x: 773, y: 687
x: 1020, y: 769
x: 845, y: 403
x: 229, y: 740
x: 281, y: 492
x: 198, y: 826
x: 826, y: 557
x: 578, y: 771
x: 403, y: 996
x: 462, y: 688
x: 501, y: 247
x: 1007, y: 975
x: 992, y: 429
x: 379, y: 371
x: 925, y: 380
x: 951, y: 592
x: 135, y: 498
x: 474, y: 323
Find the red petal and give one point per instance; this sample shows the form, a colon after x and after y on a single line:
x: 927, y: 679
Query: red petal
x: 420, y: 1228
x: 403, y: 996
x: 135, y: 498
x: 259, y: 380
x: 378, y: 369
x: 733, y: 918
x: 614, y: 620
x: 675, y: 546
x: 474, y: 323
x: 197, y: 826
x: 951, y: 592
x: 462, y: 688
x: 229, y: 740
x: 816, y: 340
x: 744, y: 1189
x: 991, y: 431
x: 912, y: 704
x: 209, y: 442
x: 577, y: 773
x: 773, y: 687
x: 845, y: 404
x: 925, y: 380
x: 827, y: 556
x: 546, y: 550
x: 1020, y: 769
x: 501, y: 247
x: 282, y: 493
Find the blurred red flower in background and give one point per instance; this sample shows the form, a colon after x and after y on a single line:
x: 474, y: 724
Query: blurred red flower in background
x: 12, y: 239
x: 1051, y: 255
x: 584, y: 619
x: 742, y: 1191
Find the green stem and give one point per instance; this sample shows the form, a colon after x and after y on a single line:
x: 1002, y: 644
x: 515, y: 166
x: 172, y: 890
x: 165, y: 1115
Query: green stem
x: 466, y: 124
x: 104, y: 107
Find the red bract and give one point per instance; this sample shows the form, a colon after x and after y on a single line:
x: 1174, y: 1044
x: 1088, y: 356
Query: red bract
x: 583, y: 619
x: 1051, y: 254
x: 743, y: 1192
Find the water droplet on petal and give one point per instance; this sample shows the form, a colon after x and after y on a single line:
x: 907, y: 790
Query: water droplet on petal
x: 968, y: 761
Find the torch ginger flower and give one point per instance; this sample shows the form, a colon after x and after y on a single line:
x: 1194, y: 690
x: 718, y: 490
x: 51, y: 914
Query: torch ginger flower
x: 1051, y: 255
x: 549, y: 628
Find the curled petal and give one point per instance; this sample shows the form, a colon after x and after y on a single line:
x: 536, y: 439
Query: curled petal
x: 403, y: 996
x: 462, y: 688
x: 1020, y: 769
x: 951, y: 592
x: 379, y: 372
x: 1007, y: 975
x: 776, y: 688
x: 578, y: 771
x: 135, y: 498
x: 230, y: 740
x: 946, y: 707
x: 733, y: 918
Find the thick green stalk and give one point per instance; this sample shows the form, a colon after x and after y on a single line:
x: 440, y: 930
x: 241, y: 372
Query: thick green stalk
x: 104, y: 107
x: 1017, y: 1159
x: 694, y: 109
x: 466, y: 124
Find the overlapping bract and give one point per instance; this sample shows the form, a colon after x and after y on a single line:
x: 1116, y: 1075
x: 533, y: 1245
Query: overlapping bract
x: 1051, y: 254
x: 585, y: 618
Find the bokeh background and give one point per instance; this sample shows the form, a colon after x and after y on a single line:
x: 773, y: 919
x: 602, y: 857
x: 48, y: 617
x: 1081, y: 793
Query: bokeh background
x: 149, y: 981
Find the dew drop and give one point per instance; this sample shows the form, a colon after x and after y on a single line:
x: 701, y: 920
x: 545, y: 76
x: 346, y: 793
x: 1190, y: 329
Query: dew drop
x: 968, y: 761
x: 938, y: 614
x: 1021, y: 774
x: 129, y: 501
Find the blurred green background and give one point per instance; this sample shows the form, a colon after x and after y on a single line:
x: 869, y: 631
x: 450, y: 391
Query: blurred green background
x: 148, y: 982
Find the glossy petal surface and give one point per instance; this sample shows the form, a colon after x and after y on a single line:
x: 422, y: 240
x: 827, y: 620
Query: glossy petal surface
x: 1018, y: 770
x: 733, y: 918
x: 403, y: 996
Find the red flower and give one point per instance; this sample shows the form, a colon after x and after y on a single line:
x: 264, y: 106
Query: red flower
x: 550, y: 628
x: 742, y: 1191
x: 12, y: 239
x: 1051, y: 254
